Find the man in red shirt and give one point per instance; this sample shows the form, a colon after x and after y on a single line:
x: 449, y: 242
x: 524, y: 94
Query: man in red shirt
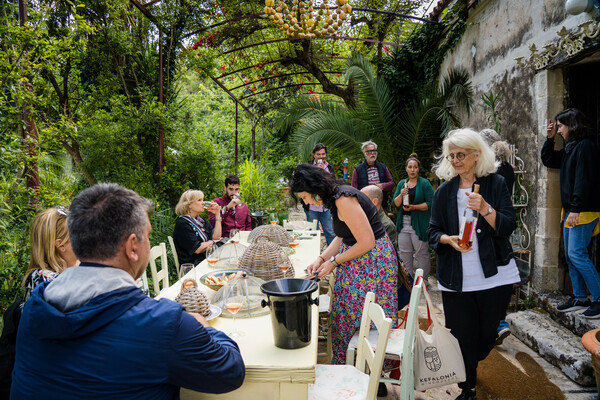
x: 235, y: 213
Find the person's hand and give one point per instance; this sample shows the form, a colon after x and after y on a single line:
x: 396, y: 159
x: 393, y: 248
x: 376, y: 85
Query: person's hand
x: 234, y: 202
x: 572, y: 219
x: 379, y: 185
x: 325, y: 269
x: 453, y: 241
x: 409, y: 207
x: 477, y: 203
x: 551, y: 129
x: 404, y: 191
x: 315, y: 266
x: 216, y: 209
x: 200, y: 318
x: 207, y: 244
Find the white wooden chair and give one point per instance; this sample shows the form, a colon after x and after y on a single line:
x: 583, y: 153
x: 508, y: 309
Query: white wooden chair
x: 353, y: 382
x: 398, y: 348
x: 174, y: 251
x: 325, y: 303
x: 159, y: 277
x: 300, y: 225
x: 142, y: 283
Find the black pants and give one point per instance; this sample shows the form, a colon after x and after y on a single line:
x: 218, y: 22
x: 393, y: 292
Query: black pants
x: 473, y: 319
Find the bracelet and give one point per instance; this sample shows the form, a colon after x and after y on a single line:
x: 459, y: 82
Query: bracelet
x: 321, y: 258
x: 218, y: 219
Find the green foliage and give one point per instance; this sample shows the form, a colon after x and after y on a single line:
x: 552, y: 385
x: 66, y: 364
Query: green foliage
x: 418, y: 128
x: 490, y: 105
x: 416, y: 65
x: 258, y: 189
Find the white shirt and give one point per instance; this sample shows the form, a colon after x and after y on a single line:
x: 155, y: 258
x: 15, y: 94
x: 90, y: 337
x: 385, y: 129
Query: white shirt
x: 472, y: 271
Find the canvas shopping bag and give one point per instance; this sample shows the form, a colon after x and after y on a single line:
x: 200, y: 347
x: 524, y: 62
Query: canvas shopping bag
x: 437, y: 360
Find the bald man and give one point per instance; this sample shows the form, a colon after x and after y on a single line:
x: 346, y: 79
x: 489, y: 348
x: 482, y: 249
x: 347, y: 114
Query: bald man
x: 376, y: 196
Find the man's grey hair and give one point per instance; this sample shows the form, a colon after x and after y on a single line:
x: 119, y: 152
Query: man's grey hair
x: 367, y: 143
x: 373, y: 192
x: 102, y: 217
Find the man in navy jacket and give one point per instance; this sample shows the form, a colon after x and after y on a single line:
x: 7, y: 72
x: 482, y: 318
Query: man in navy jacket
x: 91, y: 333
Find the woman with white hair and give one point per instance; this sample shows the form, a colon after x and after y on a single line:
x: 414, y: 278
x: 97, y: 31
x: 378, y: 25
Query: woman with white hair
x: 193, y: 235
x: 476, y: 281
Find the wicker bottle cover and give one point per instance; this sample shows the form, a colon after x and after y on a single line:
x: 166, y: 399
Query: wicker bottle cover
x: 261, y: 258
x: 193, y: 300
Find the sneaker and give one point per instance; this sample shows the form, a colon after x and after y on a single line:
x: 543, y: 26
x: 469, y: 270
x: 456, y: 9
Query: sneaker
x: 573, y: 305
x: 382, y: 390
x: 467, y: 394
x: 593, y: 311
x: 502, y: 334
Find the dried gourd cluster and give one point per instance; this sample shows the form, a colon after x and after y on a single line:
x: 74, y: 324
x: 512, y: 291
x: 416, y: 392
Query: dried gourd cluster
x: 302, y: 21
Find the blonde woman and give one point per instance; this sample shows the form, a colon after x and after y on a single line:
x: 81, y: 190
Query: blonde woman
x: 476, y: 281
x: 51, y: 251
x: 193, y: 235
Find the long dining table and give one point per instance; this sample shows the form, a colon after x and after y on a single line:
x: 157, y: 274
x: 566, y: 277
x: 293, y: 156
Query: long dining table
x: 271, y: 373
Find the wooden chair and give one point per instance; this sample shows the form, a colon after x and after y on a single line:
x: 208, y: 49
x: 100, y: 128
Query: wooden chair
x: 142, y: 283
x: 174, y: 251
x: 398, y: 348
x: 353, y: 382
x: 325, y: 303
x: 159, y: 277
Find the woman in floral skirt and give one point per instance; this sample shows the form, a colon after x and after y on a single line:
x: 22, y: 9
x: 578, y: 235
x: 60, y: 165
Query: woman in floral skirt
x: 361, y: 254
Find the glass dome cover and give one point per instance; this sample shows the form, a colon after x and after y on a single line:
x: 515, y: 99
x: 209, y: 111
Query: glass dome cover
x: 249, y: 287
x: 229, y: 255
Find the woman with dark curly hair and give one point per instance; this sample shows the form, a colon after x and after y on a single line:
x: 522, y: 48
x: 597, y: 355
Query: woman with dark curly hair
x: 361, y: 253
x: 579, y: 194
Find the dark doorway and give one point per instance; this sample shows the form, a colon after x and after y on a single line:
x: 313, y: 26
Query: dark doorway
x: 582, y: 81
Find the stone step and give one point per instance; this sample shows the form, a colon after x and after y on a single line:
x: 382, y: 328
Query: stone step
x: 554, y: 342
x: 573, y: 320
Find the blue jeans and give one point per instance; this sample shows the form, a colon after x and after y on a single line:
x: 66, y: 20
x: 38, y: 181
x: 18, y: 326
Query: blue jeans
x: 324, y: 219
x: 581, y: 269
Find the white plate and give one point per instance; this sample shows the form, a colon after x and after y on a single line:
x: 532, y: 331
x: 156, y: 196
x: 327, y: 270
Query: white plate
x: 214, y: 312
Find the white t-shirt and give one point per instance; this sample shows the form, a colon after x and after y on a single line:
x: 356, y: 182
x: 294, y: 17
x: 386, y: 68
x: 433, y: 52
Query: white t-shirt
x: 472, y: 271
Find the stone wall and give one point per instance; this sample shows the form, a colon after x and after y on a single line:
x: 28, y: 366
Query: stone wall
x: 498, y: 31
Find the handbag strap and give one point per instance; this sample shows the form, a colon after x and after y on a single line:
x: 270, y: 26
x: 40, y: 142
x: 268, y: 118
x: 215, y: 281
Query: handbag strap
x: 402, y: 324
x: 433, y: 319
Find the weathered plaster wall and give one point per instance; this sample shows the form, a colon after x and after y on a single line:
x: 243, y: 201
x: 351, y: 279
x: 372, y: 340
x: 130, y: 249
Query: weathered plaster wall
x: 498, y: 32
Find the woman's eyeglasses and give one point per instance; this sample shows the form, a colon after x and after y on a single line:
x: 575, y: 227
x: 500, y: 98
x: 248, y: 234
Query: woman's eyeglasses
x: 458, y: 156
x: 62, y: 210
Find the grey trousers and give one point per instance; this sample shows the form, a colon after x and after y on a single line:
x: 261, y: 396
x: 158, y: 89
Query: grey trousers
x: 412, y: 248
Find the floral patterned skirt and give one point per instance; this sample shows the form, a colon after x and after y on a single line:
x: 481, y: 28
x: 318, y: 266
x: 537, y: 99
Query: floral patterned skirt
x: 375, y: 271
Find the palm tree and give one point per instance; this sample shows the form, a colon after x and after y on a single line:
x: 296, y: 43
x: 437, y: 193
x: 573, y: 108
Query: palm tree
x: 419, y: 127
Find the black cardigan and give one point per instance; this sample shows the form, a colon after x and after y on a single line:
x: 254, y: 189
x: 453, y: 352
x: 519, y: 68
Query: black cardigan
x: 579, y: 173
x: 494, y: 245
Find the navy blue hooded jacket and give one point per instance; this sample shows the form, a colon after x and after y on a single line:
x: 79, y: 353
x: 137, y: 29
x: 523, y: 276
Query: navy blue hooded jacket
x: 91, y: 333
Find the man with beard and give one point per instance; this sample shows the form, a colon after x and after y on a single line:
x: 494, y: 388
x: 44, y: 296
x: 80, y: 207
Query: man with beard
x: 235, y: 213
x: 373, y: 172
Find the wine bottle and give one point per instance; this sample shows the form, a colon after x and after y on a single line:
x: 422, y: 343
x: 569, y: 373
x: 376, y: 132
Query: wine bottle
x: 468, y: 224
x: 405, y: 198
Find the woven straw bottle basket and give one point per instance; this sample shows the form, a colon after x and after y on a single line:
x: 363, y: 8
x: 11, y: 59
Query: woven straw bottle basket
x: 262, y: 258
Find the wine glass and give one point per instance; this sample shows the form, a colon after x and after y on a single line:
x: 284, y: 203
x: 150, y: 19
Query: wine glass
x: 212, y: 256
x: 273, y: 218
x: 283, y: 262
x: 233, y: 303
x: 232, y: 234
x: 186, y: 269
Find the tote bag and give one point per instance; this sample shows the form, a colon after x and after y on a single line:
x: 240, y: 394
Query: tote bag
x: 437, y: 358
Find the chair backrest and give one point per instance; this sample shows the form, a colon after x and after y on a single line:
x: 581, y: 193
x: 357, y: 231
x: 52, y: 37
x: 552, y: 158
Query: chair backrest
x: 407, y: 375
x: 372, y: 312
x: 142, y: 283
x: 174, y: 251
x: 159, y: 277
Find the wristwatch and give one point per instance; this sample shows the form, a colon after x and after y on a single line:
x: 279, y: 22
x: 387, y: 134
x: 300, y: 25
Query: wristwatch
x: 489, y: 212
x: 332, y: 259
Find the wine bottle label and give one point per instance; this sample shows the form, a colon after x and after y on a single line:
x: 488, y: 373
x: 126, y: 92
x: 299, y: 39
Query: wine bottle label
x: 472, y: 235
x: 405, y: 200
x: 463, y: 222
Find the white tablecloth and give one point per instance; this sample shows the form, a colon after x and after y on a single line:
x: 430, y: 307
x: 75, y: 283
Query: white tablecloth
x: 271, y: 372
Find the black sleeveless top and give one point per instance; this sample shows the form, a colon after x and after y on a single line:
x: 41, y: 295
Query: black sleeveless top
x: 341, y: 229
